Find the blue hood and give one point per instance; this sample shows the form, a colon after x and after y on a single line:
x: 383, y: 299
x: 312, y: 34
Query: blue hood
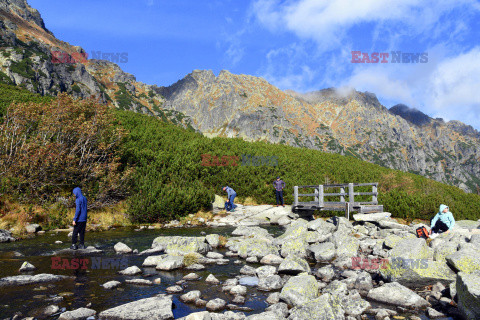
x: 443, y: 207
x: 77, y: 192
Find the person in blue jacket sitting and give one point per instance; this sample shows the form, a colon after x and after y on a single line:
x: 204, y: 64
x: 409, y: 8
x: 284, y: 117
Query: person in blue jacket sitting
x: 79, y: 220
x: 231, y: 194
x: 442, y: 222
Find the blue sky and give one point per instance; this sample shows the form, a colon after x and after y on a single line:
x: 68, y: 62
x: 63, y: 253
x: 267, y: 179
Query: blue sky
x: 302, y: 45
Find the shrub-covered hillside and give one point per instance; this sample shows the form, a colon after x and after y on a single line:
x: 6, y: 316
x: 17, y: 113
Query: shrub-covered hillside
x: 157, y: 166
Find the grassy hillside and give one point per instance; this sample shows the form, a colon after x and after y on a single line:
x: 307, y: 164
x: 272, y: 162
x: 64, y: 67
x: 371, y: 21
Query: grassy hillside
x: 157, y: 166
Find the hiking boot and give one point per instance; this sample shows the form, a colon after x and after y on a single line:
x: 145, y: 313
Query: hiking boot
x: 73, y: 247
x: 81, y: 246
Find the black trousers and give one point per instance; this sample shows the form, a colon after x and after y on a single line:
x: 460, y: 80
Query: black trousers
x: 279, y: 196
x: 79, y: 230
x: 439, y: 227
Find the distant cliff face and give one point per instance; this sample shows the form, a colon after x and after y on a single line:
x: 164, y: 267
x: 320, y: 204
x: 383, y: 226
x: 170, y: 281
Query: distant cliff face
x: 346, y: 122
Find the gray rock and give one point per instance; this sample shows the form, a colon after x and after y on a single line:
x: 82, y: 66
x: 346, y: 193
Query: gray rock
x: 271, y: 259
x: 21, y: 280
x: 6, y: 236
x: 203, y: 315
x: 190, y: 297
x: 322, y: 308
x: 78, y: 314
x: 364, y: 283
x: 371, y: 216
x: 238, y: 290
x: 412, y: 248
x: 346, y: 246
x: 247, y: 270
x: 433, y: 314
x: 191, y: 277
x: 111, y: 284
x: 256, y: 247
x: 269, y: 283
x: 211, y: 279
x: 273, y: 298
x: 265, y: 271
x: 293, y: 265
x: 152, y: 261
x: 130, y: 271
x: 50, y: 310
x: 151, y: 251
x: 468, y: 293
x: 325, y: 273
x: 322, y: 252
x: 213, y: 240
x: 214, y: 255
x: 216, y: 304
x: 27, y: 266
x: 158, y: 307
x: 251, y: 260
x: 170, y: 263
x: 269, y: 315
x: 250, y: 232
x: 465, y: 260
x: 279, y: 308
x: 299, y: 290
x: 32, y: 228
x: 177, y: 245
x: 139, y: 282
x: 121, y: 247
x: 398, y: 295
x: 174, y: 289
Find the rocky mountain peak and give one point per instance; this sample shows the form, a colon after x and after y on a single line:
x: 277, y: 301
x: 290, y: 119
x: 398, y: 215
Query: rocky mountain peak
x: 412, y: 115
x: 22, y: 9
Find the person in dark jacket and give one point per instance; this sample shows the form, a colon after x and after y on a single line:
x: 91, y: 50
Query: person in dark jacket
x: 231, y: 194
x: 79, y: 220
x: 279, y: 185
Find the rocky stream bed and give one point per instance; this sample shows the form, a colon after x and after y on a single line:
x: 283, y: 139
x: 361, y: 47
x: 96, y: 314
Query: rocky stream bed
x: 272, y: 265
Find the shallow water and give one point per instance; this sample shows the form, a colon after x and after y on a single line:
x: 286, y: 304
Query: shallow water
x: 85, y: 285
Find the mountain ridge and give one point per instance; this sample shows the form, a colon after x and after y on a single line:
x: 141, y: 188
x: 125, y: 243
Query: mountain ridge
x: 342, y: 121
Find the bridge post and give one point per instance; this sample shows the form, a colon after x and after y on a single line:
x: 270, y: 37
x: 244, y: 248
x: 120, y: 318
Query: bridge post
x: 342, y: 197
x: 320, y: 196
x: 351, y: 199
x: 374, y: 197
x: 295, y: 196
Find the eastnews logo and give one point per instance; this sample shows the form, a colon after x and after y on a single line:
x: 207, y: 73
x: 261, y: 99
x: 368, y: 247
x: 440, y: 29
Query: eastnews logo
x: 247, y: 160
x: 80, y: 57
x: 395, y: 57
x: 84, y: 263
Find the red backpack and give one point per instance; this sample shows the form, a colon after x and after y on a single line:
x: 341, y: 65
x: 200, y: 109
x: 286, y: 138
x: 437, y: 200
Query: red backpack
x: 422, y: 232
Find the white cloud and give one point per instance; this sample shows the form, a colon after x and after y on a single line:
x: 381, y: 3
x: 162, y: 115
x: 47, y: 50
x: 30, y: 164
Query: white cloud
x: 453, y: 88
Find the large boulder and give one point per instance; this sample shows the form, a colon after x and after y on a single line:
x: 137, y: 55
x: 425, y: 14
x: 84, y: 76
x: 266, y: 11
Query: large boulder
x: 247, y: 231
x: 293, y: 265
x: 296, y: 246
x: 299, y: 290
x: 468, y: 293
x: 256, y: 247
x: 465, y: 260
x: 322, y: 252
x: 158, y: 307
x: 412, y: 248
x: 6, y: 236
x: 180, y: 246
x: 322, y: 308
x: 371, y: 216
x: 395, y: 294
x: 417, y: 272
x: 170, y: 263
x: 297, y: 229
x: 321, y: 226
x: 346, y: 246
x: 30, y: 279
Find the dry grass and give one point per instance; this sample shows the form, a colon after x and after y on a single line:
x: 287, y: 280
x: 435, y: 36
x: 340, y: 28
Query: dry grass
x: 190, y: 258
x: 222, y: 241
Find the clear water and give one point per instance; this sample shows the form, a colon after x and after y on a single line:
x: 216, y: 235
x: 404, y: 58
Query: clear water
x: 85, y: 285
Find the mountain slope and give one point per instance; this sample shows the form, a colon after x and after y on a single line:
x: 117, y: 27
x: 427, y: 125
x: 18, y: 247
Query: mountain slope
x: 338, y: 121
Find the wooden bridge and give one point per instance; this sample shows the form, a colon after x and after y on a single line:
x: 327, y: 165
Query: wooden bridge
x: 345, y: 190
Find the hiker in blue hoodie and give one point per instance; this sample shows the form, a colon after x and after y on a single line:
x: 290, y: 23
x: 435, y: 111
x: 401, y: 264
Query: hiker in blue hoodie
x: 231, y: 194
x: 442, y: 222
x: 79, y: 220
